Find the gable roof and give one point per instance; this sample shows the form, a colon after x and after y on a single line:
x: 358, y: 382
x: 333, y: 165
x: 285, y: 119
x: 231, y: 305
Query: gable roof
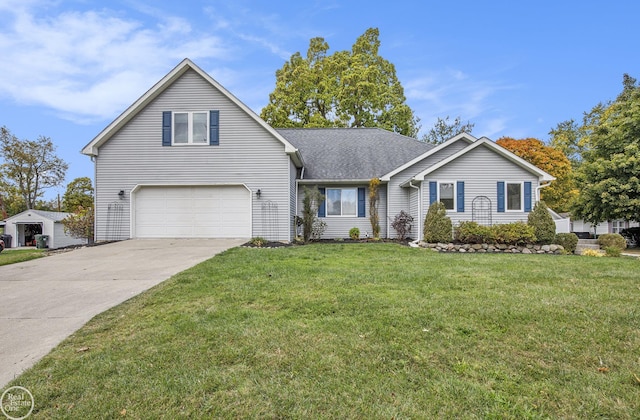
x: 350, y: 154
x: 55, y: 216
x: 542, y: 175
x: 91, y: 149
x: 460, y: 137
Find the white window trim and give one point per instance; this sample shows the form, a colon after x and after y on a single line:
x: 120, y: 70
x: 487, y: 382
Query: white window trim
x: 455, y: 194
x: 326, y: 202
x: 189, y: 128
x: 506, y: 196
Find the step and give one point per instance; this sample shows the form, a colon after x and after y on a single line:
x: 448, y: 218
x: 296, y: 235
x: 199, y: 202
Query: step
x: 588, y: 241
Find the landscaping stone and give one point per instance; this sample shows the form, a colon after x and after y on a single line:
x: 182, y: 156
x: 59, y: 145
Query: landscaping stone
x: 493, y: 248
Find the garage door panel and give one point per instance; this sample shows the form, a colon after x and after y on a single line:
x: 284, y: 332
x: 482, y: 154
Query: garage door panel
x: 192, y: 212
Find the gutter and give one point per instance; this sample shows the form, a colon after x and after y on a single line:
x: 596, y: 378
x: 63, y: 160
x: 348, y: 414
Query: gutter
x: 415, y: 243
x: 538, y: 188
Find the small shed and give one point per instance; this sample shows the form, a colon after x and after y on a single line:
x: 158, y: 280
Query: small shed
x: 23, y: 228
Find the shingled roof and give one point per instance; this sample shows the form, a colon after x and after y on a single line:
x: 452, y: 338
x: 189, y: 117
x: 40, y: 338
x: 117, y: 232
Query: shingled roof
x: 352, y: 153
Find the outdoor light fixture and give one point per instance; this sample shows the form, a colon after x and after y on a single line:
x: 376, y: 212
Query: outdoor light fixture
x: 121, y: 194
x: 258, y: 193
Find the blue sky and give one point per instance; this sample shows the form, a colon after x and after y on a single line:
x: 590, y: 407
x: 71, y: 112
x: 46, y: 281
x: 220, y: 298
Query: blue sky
x: 514, y: 68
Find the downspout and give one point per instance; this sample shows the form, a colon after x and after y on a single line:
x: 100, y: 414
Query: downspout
x: 538, y: 188
x: 415, y: 243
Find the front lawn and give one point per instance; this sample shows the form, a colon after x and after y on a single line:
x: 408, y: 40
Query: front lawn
x: 360, y: 331
x: 12, y: 256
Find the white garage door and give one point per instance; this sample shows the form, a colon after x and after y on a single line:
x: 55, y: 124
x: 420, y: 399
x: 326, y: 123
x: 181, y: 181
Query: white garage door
x: 192, y: 212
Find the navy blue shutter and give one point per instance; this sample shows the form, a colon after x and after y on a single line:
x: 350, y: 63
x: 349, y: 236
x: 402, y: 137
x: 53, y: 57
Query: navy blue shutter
x: 500, y: 197
x: 321, y: 207
x: 460, y: 192
x: 361, y: 201
x: 527, y: 196
x: 166, y: 128
x: 214, y: 128
x: 433, y: 192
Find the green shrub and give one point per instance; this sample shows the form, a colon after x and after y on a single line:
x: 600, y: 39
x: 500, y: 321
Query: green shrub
x: 517, y: 233
x: 543, y: 225
x: 613, y: 251
x: 354, y: 233
x: 612, y: 240
x: 473, y: 233
x: 258, y: 241
x: 437, y: 226
x: 569, y: 241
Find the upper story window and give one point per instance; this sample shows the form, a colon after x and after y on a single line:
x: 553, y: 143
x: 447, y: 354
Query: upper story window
x: 514, y: 196
x: 342, y: 202
x: 190, y: 128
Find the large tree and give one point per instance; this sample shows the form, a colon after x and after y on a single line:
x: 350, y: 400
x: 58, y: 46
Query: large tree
x: 562, y: 192
x: 609, y: 177
x: 443, y: 130
x: 79, y: 194
x: 356, y: 88
x: 30, y: 166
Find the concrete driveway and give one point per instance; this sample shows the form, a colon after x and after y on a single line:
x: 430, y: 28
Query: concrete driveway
x: 43, y: 301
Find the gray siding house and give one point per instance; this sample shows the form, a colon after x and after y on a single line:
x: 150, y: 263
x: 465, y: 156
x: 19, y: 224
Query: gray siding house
x: 188, y: 159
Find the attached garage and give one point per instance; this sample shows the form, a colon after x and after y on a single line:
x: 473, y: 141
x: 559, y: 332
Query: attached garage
x: 192, y: 212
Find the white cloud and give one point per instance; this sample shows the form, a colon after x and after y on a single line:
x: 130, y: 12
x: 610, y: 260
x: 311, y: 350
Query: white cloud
x: 453, y: 93
x: 89, y: 65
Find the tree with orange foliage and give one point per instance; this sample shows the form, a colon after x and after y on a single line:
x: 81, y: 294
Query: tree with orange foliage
x: 560, y: 194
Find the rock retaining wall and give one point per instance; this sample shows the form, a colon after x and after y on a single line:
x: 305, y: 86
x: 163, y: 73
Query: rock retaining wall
x: 495, y: 248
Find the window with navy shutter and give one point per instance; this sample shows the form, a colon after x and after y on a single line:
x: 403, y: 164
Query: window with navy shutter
x: 190, y: 128
x: 166, y: 128
x: 361, y: 202
x: 322, y: 212
x: 527, y: 196
x: 460, y: 197
x: 501, y: 197
x: 433, y: 192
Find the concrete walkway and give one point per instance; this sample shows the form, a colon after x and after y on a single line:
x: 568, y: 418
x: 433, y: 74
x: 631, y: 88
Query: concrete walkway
x: 43, y: 301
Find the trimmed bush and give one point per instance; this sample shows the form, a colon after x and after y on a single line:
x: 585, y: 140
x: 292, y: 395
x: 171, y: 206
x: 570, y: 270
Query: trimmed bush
x: 354, y: 233
x: 543, y: 225
x: 612, y: 251
x: 473, y: 233
x: 517, y: 233
x: 437, y: 226
x: 569, y: 241
x: 612, y: 240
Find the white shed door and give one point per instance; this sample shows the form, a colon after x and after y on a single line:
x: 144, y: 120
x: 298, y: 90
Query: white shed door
x: 193, y: 212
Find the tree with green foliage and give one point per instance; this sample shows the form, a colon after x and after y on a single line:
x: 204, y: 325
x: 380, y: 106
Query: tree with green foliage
x: 437, y: 225
x: 567, y: 137
x: 79, y: 194
x: 609, y: 176
x: 356, y: 88
x: 543, y: 225
x: 29, y: 166
x: 80, y: 223
x: 443, y: 130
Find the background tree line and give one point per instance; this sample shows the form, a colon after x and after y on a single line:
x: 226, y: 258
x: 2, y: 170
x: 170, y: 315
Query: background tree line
x: 595, y: 162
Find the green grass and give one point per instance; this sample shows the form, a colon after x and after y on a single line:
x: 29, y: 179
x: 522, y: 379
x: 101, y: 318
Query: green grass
x: 360, y: 331
x: 19, y: 255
